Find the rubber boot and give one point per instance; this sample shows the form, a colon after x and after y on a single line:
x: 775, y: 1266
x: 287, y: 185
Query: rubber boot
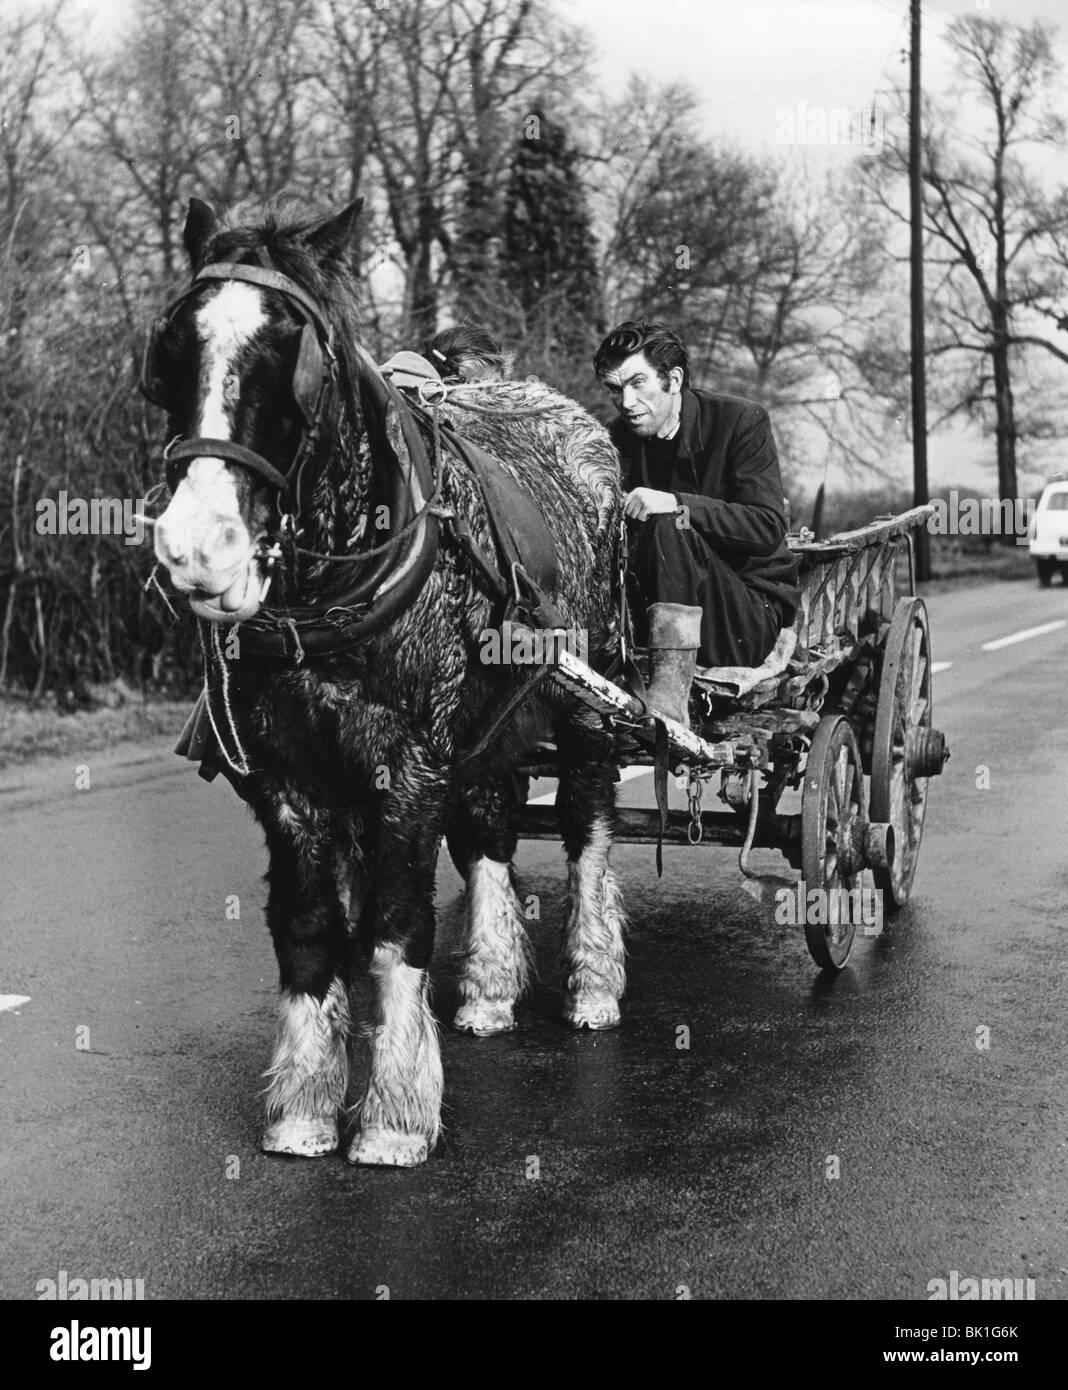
x: 674, y: 637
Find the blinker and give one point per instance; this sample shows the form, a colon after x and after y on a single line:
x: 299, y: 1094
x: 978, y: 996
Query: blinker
x: 308, y: 373
x: 311, y: 374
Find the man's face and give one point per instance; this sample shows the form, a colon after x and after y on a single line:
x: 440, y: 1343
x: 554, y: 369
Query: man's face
x: 641, y: 398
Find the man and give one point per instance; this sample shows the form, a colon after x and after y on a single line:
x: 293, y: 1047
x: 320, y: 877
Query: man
x: 708, y: 550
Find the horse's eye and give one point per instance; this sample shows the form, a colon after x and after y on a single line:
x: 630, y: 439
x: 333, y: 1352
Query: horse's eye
x: 166, y: 371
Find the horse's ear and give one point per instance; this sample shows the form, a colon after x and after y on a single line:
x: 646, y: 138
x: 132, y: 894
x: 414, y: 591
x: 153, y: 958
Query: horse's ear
x: 200, y: 224
x: 334, y: 239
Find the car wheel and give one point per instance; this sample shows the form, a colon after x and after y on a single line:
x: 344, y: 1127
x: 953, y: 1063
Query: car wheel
x: 1045, y: 572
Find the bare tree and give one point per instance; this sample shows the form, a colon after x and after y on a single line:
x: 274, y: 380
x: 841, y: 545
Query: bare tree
x: 991, y: 227
x: 34, y: 122
x: 773, y: 281
x: 434, y: 93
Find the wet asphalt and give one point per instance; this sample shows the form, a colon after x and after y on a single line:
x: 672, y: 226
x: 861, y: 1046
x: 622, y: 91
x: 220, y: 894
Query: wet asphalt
x: 837, y: 1139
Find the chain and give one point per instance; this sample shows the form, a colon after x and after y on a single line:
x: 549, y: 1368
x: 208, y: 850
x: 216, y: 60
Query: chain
x: 695, y: 830
x: 622, y: 581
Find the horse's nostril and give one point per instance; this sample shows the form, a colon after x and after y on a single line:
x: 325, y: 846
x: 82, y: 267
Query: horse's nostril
x: 170, y: 551
x: 229, y: 535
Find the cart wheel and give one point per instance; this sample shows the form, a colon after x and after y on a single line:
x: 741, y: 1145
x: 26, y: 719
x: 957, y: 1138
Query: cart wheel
x: 832, y: 809
x: 900, y: 745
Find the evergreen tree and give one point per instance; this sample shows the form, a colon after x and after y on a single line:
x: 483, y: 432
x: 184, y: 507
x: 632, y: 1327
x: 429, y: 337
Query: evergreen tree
x: 550, y: 263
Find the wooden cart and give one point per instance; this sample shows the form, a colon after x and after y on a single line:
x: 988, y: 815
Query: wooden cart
x: 839, y: 719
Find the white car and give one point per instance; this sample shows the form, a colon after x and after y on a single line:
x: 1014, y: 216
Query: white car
x: 1049, y: 533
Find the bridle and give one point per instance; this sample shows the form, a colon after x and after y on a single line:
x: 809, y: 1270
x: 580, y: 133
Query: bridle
x: 390, y: 574
x: 314, y: 375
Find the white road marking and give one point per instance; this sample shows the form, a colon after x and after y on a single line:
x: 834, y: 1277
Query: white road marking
x: 937, y: 666
x: 626, y: 774
x: 12, y: 1001
x: 1024, y: 636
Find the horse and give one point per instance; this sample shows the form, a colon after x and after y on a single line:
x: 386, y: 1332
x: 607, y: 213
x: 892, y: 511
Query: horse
x: 335, y: 556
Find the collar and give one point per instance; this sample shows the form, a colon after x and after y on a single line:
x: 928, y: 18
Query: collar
x: 675, y: 428
x: 689, y: 435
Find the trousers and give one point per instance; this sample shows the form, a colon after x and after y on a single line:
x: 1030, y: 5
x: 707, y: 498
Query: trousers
x: 672, y: 564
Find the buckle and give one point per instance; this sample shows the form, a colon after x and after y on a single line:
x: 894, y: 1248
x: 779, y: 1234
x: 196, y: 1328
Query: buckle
x: 517, y: 570
x: 431, y: 392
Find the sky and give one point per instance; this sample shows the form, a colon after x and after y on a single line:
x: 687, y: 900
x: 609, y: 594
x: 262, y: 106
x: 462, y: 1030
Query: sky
x: 763, y: 70
x: 750, y: 59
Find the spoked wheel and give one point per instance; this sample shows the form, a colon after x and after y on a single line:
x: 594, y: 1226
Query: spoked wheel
x: 833, y: 825
x: 906, y: 750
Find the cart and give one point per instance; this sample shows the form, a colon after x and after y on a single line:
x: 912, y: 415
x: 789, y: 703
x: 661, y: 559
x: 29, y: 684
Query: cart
x: 838, y: 720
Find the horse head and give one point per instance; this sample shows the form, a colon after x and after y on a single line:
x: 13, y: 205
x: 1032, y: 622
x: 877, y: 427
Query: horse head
x: 245, y: 364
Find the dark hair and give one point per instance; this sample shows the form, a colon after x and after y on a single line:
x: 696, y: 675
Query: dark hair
x: 662, y: 348
x: 453, y: 350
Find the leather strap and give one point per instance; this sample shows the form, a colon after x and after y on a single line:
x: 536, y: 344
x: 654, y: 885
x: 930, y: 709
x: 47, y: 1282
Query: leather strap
x: 517, y: 698
x: 392, y: 574
x: 268, y: 280
x: 660, y: 787
x: 188, y: 449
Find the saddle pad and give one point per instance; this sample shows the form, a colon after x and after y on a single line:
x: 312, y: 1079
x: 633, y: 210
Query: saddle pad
x: 739, y: 680
x: 410, y: 370
x: 519, y: 527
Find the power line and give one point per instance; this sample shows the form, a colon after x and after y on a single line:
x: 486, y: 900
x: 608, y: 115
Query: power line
x: 785, y: 86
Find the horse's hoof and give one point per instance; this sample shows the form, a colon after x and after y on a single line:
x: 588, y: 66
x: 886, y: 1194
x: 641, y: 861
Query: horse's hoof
x: 596, y: 1011
x: 301, y: 1137
x: 388, y: 1148
x: 484, y: 1017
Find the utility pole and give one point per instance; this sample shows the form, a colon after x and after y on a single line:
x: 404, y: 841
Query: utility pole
x: 919, y: 364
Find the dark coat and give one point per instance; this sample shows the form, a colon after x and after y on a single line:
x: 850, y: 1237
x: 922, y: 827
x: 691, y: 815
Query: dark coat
x: 726, y: 474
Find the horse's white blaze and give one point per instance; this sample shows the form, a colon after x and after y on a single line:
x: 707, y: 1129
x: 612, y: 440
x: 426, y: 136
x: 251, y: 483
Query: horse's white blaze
x: 496, y: 951
x: 400, y: 1115
x: 202, y: 537
x: 593, y: 951
x: 228, y: 321
x: 309, y: 1072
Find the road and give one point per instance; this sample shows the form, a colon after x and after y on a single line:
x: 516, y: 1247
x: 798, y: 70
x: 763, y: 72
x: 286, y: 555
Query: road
x: 845, y: 1139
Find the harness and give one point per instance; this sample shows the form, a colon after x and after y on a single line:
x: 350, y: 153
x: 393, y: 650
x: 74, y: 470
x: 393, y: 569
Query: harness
x: 312, y: 376
x: 388, y: 576
x: 521, y: 575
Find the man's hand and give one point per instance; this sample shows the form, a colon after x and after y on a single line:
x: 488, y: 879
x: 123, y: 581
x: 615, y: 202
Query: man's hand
x: 644, y: 502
